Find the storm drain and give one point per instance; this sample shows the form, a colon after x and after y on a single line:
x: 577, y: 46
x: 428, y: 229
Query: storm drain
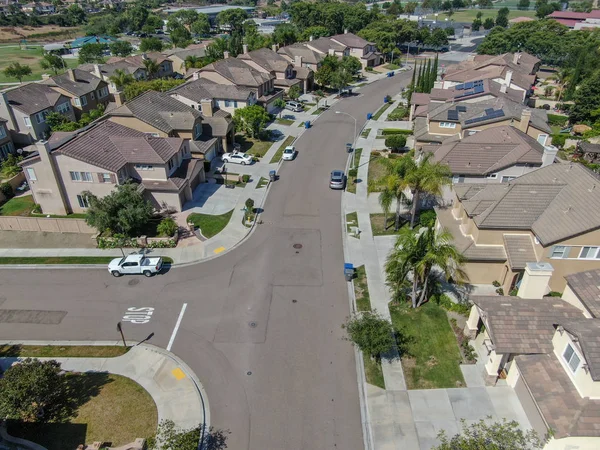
x: 133, y: 282
x: 252, y: 324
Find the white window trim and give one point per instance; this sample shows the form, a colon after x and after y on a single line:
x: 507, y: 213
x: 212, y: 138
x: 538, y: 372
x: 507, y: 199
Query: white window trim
x: 507, y: 176
x: 2, y: 132
x: 447, y: 125
x: 77, y: 101
x: 83, y: 201
x: 545, y: 138
x: 593, y: 253
x: 80, y: 177
x: 492, y: 176
x: 84, y: 100
x: 63, y: 107
x: 144, y: 167
x: 565, y: 248
x: 31, y: 174
x: 27, y: 121
x: 568, y: 361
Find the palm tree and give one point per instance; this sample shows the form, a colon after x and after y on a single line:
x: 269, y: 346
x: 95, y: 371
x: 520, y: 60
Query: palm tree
x: 120, y: 78
x: 151, y: 68
x: 191, y: 61
x: 562, y: 78
x: 394, y: 187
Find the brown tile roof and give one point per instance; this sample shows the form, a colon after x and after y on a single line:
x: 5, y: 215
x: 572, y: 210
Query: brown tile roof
x: 84, y: 82
x: 159, y: 110
x: 587, y: 333
x: 300, y: 49
x: 489, y: 88
x: 586, y: 286
x: 217, y: 125
x: 202, y: 145
x: 489, y: 151
x: 519, y: 250
x: 563, y: 409
x: 420, y: 98
x: 138, y: 60
x: 33, y: 97
x: 110, y: 146
x: 238, y: 72
x: 523, y: 326
x: 323, y: 45
x: 198, y: 90
x: 588, y: 147
x: 490, y: 68
x: 351, y: 40
x: 267, y: 59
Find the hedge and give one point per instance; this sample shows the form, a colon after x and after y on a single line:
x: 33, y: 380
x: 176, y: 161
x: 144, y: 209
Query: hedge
x: 388, y: 131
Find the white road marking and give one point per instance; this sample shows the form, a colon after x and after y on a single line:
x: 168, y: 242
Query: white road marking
x: 138, y: 315
x: 176, y: 327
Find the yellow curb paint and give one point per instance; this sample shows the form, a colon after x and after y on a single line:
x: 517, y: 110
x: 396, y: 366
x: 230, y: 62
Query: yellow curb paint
x: 178, y: 373
x: 218, y: 250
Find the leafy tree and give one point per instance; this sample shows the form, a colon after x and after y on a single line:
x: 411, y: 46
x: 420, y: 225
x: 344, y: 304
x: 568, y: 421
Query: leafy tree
x: 279, y: 103
x: 340, y: 79
x: 53, y: 62
x: 123, y: 211
x: 523, y: 4
x: 255, y: 40
x: 395, y: 142
x: 476, y: 25
x: 586, y: 99
x: 121, y: 79
x: 185, y: 17
x: 10, y: 166
x: 136, y: 88
x: 351, y: 64
x: 232, y: 18
x: 92, y: 53
x: 121, y: 48
x: 294, y: 93
x: 371, y: 333
x: 193, y: 61
x: 151, y: 44
x: 59, y: 122
x: 502, y: 17
x: 324, y: 74
x: 180, y: 36
x: 544, y: 8
x: 496, y: 436
x: 393, y: 10
x: 252, y: 120
x: 285, y: 34
x: 18, y: 71
x: 151, y: 67
x: 316, y: 32
x: 33, y: 391
x: 171, y: 437
x: 167, y: 227
x: 488, y: 23
x: 201, y: 25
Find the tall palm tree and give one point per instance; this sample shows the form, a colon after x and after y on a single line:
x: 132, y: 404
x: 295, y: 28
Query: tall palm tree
x: 394, y: 187
x: 562, y: 78
x: 121, y: 79
x: 400, y: 262
x: 151, y: 68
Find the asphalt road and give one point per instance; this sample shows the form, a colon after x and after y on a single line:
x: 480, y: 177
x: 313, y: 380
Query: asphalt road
x: 262, y: 328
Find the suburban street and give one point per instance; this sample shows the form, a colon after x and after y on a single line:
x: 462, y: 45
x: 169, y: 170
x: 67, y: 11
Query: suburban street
x: 262, y: 325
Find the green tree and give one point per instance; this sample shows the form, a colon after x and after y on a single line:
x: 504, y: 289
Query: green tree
x: 59, y: 122
x: 180, y: 37
x: 476, y: 25
x: 151, y: 44
x: 92, y: 53
x: 437, y: 38
x: 315, y: 32
x: 151, y: 67
x: 53, y: 62
x: 395, y: 142
x: 351, y: 64
x: 123, y: 211
x: 201, y: 25
x: 193, y: 61
x: 136, y: 88
x: 340, y: 79
x: 488, y: 23
x: 167, y: 227
x: 121, y: 48
x: 252, y: 120
x: 502, y: 17
x: 294, y: 93
x: 586, y: 99
x: 33, y: 391
x: 285, y: 34
x: 185, y: 17
x: 279, y: 103
x: 10, y: 166
x: 233, y: 19
x: 496, y: 436
x: 523, y: 4
x: 371, y: 333
x: 121, y: 79
x: 18, y: 71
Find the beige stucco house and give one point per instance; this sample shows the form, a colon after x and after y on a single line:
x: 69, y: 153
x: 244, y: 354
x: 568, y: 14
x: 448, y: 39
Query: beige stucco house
x: 178, y: 56
x: 6, y: 144
x: 365, y: 51
x: 550, y: 215
x: 301, y: 55
x: 105, y: 155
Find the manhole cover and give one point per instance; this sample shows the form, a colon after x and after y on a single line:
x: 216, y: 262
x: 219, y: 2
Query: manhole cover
x: 294, y: 301
x: 248, y: 373
x: 133, y: 282
x: 297, y: 246
x: 252, y: 324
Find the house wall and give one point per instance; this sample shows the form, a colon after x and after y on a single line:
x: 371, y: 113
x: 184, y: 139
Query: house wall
x: 45, y: 189
x: 434, y: 128
x: 91, y: 104
x: 214, y: 76
x: 583, y: 381
x: 570, y: 297
x: 137, y: 124
x: 512, y: 171
x: 159, y: 198
x: 482, y: 272
x: 157, y: 173
x: 573, y: 443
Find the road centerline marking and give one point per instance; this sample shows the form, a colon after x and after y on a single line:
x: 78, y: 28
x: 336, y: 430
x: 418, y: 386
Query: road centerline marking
x: 183, y: 308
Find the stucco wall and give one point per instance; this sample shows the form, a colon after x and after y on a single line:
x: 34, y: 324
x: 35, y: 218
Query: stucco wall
x: 570, y: 297
x: 10, y: 223
x: 170, y: 198
x: 434, y: 128
x: 214, y: 76
x: 483, y: 272
x: 512, y: 171
x: 573, y: 443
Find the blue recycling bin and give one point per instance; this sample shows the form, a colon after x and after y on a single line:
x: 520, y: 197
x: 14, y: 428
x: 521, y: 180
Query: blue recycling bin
x: 369, y: 115
x: 385, y: 99
x: 349, y: 271
x: 272, y: 175
x: 307, y: 124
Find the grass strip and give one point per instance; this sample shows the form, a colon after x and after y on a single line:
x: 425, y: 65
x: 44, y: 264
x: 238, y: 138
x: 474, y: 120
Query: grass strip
x: 351, y: 221
x: 365, y: 132
x: 382, y: 228
x: 361, y: 289
x: 279, y: 153
x: 284, y: 121
x: 263, y: 182
x: 373, y: 371
x: 381, y: 110
x: 65, y: 351
x: 51, y: 260
x: 210, y: 225
x: 318, y: 111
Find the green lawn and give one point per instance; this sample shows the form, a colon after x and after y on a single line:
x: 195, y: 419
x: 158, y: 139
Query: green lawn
x: 30, y: 57
x: 318, y: 111
x: 253, y: 146
x: 67, y: 351
x: 108, y: 408
x: 373, y: 372
x: 262, y: 182
x: 381, y: 110
x: 361, y: 290
x: 365, y: 132
x: 468, y: 15
x: 18, y: 206
x: 210, y: 225
x: 376, y: 172
x: 351, y: 185
x: 284, y: 121
x: 431, y: 356
x: 391, y: 66
x: 62, y: 260
x: 279, y: 153
x: 381, y: 228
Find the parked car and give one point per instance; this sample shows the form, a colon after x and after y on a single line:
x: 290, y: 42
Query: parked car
x: 135, y: 264
x: 337, y: 180
x: 294, y: 106
x: 289, y: 153
x: 238, y: 158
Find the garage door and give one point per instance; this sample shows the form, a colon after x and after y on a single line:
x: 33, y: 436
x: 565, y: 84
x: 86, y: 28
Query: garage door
x: 530, y: 408
x: 209, y: 155
x: 195, y: 182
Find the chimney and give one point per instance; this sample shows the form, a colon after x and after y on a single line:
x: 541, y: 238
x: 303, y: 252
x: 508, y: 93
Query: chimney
x: 549, y: 154
x: 332, y: 52
x: 207, y: 107
x: 345, y: 30
x: 119, y: 98
x: 45, y: 76
x: 196, y: 76
x: 516, y: 57
x: 225, y: 54
x: 310, y: 38
x: 503, y: 88
x: 55, y: 199
x: 535, y: 280
x: 245, y: 49
x: 98, y: 72
x: 525, y: 118
x: 71, y: 75
x: 298, y: 61
x: 274, y: 48
x: 508, y: 78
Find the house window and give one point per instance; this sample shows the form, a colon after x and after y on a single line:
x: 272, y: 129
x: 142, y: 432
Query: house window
x: 447, y: 125
x: 103, y: 92
x: 235, y: 104
x: 77, y: 101
x: 144, y: 167
x: 104, y: 177
x: 31, y: 174
x: 2, y: 132
x: 559, y: 251
x: 542, y: 138
x: 41, y: 117
x: 6, y: 149
x: 81, y: 176
x: 458, y: 179
x: 27, y: 122
x: 588, y: 253
x: 227, y: 103
x: 197, y: 131
x: 571, y: 358
x: 63, y: 107
x: 81, y: 101
x: 472, y: 132
x: 83, y: 201
x: 507, y: 179
x: 492, y: 176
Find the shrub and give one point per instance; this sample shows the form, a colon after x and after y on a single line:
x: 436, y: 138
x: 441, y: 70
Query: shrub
x: 37, y: 208
x: 170, y: 243
x: 390, y: 131
x: 116, y: 241
x: 445, y: 302
x: 388, y: 98
x: 559, y: 140
x: 398, y: 114
x: 7, y: 190
x: 249, y: 205
x: 369, y: 69
x: 558, y: 120
x: 427, y: 218
x: 167, y: 227
x: 375, y: 153
x: 395, y: 142
x: 496, y: 283
x: 245, y: 178
x: 500, y: 291
x: 353, y: 173
x: 554, y: 294
x: 513, y: 292
x: 394, y: 156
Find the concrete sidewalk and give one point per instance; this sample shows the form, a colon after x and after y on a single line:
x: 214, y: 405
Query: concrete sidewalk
x: 178, y: 394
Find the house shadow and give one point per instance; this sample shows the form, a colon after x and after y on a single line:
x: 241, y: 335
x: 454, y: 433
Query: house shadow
x: 53, y: 436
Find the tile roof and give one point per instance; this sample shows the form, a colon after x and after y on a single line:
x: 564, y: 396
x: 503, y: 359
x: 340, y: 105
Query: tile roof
x: 587, y: 332
x: 523, y: 326
x: 138, y: 60
x: 519, y: 250
x: 238, y: 72
x: 300, y: 49
x: 182, y: 53
x: 588, y: 147
x: 175, y: 182
x: 351, y: 40
x: 33, y: 97
x: 111, y: 146
x: 586, y: 286
x: 218, y: 125
x: 159, y: 110
x: 201, y: 89
x: 563, y: 409
x: 84, y: 82
x: 420, y: 98
x: 203, y: 144
x: 490, y: 87
x: 323, y: 44
x: 267, y: 59
x: 489, y: 151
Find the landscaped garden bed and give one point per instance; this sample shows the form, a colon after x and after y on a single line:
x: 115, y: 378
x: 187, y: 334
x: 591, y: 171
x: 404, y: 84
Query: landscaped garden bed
x: 210, y: 225
x: 64, y: 351
x: 382, y: 226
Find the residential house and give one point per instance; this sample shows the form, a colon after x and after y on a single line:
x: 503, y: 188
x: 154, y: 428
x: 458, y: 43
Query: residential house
x: 26, y: 107
x: 6, y: 144
x: 98, y: 158
x: 326, y: 47
x: 365, y: 51
x: 301, y: 55
x: 575, y: 20
x: 177, y: 56
x: 494, y: 155
x: 549, y: 215
x: 85, y: 90
x: 165, y: 65
x: 546, y: 349
x: 39, y: 8
x: 158, y: 114
x: 286, y: 74
x: 458, y: 120
x: 234, y: 71
x: 588, y: 151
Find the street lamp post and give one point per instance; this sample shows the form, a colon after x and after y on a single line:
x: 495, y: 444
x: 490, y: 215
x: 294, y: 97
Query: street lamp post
x: 353, y: 137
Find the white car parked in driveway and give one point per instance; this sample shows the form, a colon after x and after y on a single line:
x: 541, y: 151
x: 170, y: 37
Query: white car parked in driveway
x: 237, y: 158
x: 289, y: 153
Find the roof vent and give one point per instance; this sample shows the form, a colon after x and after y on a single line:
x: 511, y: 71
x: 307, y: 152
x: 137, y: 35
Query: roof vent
x: 567, y: 210
x: 592, y: 188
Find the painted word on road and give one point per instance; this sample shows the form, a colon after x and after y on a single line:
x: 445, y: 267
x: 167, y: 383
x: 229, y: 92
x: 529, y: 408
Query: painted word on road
x: 138, y: 315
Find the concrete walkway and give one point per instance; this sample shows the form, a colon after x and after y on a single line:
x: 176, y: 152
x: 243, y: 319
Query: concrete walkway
x: 178, y: 394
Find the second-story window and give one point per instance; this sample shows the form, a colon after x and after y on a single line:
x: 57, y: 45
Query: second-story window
x: 63, y: 108
x: 171, y: 163
x: 41, y: 116
x: 447, y: 125
x: 81, y: 176
x: 81, y: 101
x: 2, y: 132
x: 571, y: 358
x: 198, y: 130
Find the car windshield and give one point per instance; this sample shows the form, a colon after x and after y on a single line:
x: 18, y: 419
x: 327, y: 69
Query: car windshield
x: 288, y: 150
x: 336, y: 175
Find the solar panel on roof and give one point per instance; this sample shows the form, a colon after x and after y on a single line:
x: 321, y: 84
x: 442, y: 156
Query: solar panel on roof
x: 489, y: 111
x: 469, y: 85
x: 461, y: 108
x: 452, y: 115
x: 478, y: 82
x: 478, y: 89
x: 459, y: 87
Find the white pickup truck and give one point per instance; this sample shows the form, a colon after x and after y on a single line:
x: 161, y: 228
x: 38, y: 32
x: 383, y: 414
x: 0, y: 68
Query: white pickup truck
x: 135, y: 264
